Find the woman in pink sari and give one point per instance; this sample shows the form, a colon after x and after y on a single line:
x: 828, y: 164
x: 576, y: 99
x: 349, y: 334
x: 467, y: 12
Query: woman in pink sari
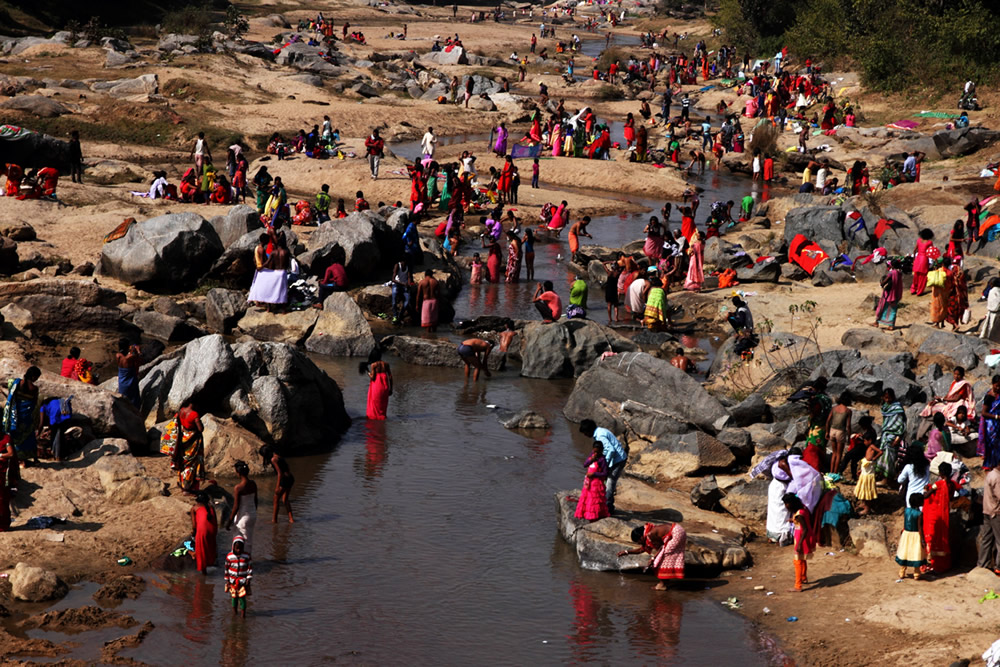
x: 960, y: 393
x: 380, y: 387
x: 696, y: 262
x: 921, y: 262
x: 557, y: 140
x: 559, y: 218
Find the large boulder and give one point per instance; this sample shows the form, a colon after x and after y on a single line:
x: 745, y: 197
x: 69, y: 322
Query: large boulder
x: 747, y: 500
x: 673, y: 456
x: 224, y: 308
x: 356, y: 236
x: 36, y: 105
x: 292, y: 328
x: 456, y: 56
x: 269, y: 389
x: 663, y: 388
x: 169, y: 252
x: 962, y: 141
x: 341, y: 329
x: 105, y: 413
x: 431, y: 352
x: 226, y: 443
x: 952, y: 349
x: 125, y: 481
x: 567, y: 348
x: 35, y: 584
x: 33, y: 150
x: 61, y: 305
x: 816, y: 223
x: 237, y: 223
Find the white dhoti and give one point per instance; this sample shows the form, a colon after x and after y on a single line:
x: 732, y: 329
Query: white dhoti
x: 269, y: 286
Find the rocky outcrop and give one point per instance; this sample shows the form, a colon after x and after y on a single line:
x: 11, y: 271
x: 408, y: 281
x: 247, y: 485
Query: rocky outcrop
x: 523, y: 419
x: 567, y: 348
x: 35, y: 584
x: 673, y: 456
x: 234, y: 225
x: 270, y: 389
x: 36, y: 105
x: 747, y: 500
x: 226, y: 443
x: 868, y: 536
x: 663, y: 388
x: 597, y: 544
x: 292, y: 328
x: 341, y: 329
x: 125, y: 481
x: 357, y: 237
x: 431, y: 352
x: 169, y: 252
x: 103, y: 413
x: 224, y: 308
x: 61, y: 305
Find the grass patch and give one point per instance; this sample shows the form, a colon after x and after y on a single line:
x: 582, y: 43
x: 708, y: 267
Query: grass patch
x: 608, y: 92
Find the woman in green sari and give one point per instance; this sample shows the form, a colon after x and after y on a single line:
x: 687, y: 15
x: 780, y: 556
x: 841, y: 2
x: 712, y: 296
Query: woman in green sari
x: 446, y: 189
x: 893, y: 431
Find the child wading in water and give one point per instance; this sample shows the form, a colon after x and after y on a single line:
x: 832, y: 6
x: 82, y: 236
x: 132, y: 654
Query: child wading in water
x: 865, y: 489
x: 238, y: 575
x: 910, y: 552
x: 805, y: 539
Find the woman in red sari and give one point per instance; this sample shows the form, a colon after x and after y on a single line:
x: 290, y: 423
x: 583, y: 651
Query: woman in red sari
x: 205, y: 526
x: 380, y: 387
x: 9, y: 478
x: 936, y: 509
x: 629, y: 131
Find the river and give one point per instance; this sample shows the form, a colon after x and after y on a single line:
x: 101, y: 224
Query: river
x: 430, y: 538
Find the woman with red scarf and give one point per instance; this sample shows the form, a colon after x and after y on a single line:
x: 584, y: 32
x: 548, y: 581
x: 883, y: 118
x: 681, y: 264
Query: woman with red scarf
x: 936, y: 526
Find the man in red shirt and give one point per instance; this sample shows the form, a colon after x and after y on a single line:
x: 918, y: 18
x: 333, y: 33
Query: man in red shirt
x: 547, y: 302
x: 374, y: 146
x: 334, y: 280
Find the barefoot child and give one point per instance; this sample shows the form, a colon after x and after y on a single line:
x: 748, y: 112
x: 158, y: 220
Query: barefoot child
x: 476, y: 270
x: 238, y: 574
x: 910, y: 552
x: 804, y: 542
x: 865, y: 489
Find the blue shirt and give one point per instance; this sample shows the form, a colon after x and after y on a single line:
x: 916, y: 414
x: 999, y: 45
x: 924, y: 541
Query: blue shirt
x: 910, y: 166
x: 614, y: 453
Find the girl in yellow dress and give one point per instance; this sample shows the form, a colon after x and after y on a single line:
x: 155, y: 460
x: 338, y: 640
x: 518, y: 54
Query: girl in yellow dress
x: 865, y: 489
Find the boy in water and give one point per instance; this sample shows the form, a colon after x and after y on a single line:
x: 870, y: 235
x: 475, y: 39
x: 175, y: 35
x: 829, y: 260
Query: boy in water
x: 238, y: 575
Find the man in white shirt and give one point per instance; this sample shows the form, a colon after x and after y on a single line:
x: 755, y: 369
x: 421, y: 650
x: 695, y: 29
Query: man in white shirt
x: 821, y: 176
x: 428, y: 144
x: 200, y: 153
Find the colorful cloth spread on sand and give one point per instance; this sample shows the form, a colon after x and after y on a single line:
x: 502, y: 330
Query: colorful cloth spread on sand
x: 903, y: 125
x: 521, y: 151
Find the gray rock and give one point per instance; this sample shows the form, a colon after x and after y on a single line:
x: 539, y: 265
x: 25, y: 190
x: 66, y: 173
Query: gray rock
x: 237, y: 223
x: 341, y: 329
x: 751, y: 410
x: 226, y: 443
x: 224, y: 308
x: 706, y: 494
x: 953, y: 349
x: 35, y: 584
x: 356, y: 235
x: 431, y: 352
x: 36, y: 105
x: 821, y: 278
x: 292, y: 328
x: 208, y: 367
x: 125, y: 481
x: 761, y: 272
x: 456, y: 56
x: 816, y: 223
x: 65, y: 305
x: 316, y: 261
x: 308, y: 79
x: 365, y: 90
x: 174, y: 42
x: 567, y: 348
x: 747, y: 500
x: 167, y: 328
x: 665, y: 388
x: 671, y: 457
x: 482, y: 104
x: 113, y: 58
x: 868, y: 536
x: 17, y: 230
x: 739, y: 442
x: 524, y: 419
x: 167, y: 252
x: 962, y: 141
x: 865, y: 388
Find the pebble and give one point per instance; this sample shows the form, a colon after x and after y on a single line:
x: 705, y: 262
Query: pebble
x: 758, y: 588
x: 792, y: 619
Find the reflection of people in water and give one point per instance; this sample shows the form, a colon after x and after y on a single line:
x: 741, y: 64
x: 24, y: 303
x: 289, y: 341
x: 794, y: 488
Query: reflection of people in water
x: 657, y: 628
x: 376, y: 452
x: 590, y: 622
x: 235, y: 646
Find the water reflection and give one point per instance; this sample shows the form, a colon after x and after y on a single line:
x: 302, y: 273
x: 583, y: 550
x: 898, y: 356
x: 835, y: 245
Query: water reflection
x: 658, y: 627
x: 376, y: 451
x: 235, y: 643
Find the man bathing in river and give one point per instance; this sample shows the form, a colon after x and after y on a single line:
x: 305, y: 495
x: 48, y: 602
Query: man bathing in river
x: 469, y: 352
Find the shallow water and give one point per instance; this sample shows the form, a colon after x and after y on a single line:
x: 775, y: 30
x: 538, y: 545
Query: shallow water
x: 431, y: 538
